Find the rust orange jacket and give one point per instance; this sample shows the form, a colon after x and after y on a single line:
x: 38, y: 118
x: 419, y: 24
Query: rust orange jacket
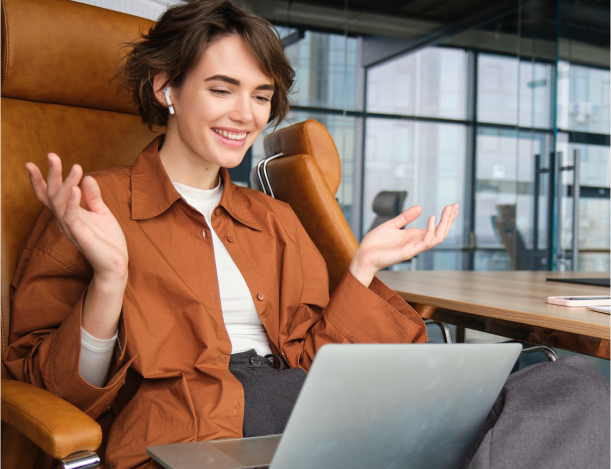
x: 169, y: 380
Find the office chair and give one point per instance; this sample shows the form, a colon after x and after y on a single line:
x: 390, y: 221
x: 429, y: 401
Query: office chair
x: 303, y: 169
x: 58, y: 61
x: 387, y: 205
x: 506, y: 228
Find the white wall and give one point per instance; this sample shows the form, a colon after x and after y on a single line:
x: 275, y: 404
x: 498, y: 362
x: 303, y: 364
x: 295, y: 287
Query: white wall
x: 150, y: 9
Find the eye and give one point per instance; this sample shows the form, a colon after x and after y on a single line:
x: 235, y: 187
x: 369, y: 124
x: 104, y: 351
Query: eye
x: 219, y: 92
x: 262, y: 99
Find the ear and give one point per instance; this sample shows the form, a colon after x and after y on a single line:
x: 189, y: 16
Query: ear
x: 159, y: 81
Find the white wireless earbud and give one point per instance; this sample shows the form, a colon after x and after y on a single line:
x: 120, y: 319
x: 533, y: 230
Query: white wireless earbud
x: 168, y: 100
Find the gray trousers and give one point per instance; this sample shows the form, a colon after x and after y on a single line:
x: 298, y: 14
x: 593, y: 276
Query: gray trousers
x: 269, y: 393
x: 550, y: 415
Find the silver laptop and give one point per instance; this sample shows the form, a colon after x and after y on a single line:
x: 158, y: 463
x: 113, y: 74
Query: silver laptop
x: 372, y: 406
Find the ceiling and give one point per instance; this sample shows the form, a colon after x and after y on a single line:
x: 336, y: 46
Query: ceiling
x: 480, y: 24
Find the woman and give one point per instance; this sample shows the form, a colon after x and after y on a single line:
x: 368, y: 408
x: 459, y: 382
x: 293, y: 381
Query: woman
x: 154, y: 296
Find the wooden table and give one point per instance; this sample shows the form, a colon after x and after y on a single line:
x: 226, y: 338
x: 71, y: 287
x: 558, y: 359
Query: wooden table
x: 509, y: 304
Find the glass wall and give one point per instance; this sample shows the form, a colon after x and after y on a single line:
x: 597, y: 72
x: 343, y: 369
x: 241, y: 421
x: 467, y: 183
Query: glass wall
x: 514, y: 92
x: 326, y: 66
x: 429, y: 83
x: 583, y: 98
x: 511, y: 226
x: 593, y: 226
x: 425, y: 159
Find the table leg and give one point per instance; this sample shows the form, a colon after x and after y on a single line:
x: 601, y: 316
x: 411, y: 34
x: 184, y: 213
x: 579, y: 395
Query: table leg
x: 460, y: 335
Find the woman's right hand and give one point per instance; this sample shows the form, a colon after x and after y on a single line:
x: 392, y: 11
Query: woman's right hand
x: 95, y: 232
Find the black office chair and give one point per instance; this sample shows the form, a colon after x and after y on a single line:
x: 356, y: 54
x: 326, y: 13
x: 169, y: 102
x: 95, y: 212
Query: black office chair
x: 387, y: 205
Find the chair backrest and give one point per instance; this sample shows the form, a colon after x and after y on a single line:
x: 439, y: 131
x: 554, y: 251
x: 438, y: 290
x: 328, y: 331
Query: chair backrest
x: 506, y: 228
x: 58, y: 95
x: 307, y: 177
x: 387, y: 205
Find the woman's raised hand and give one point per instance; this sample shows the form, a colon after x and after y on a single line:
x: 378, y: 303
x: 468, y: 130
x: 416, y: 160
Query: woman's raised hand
x: 389, y: 244
x: 95, y: 232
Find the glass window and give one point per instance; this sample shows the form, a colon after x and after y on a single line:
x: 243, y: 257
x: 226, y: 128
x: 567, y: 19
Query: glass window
x: 594, y: 203
x: 498, y: 91
x: 506, y: 215
x: 583, y: 98
x: 326, y: 66
x: 430, y: 83
x: 425, y: 159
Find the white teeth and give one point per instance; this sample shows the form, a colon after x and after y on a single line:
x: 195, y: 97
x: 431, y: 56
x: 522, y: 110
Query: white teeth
x: 230, y: 135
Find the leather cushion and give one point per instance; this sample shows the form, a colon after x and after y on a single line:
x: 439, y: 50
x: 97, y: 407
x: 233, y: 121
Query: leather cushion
x: 64, y: 52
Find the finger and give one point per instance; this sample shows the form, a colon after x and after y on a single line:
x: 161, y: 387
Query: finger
x: 72, y: 218
x: 63, y: 194
x: 38, y: 183
x: 93, y: 195
x: 429, y: 236
x: 406, y: 217
x: 442, y: 228
x: 54, y: 176
x: 453, y: 216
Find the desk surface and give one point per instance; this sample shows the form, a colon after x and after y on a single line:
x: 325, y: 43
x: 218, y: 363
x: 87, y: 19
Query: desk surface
x: 517, y: 296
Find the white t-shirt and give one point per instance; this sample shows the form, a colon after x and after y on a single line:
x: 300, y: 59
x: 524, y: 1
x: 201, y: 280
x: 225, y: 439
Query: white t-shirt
x: 241, y: 318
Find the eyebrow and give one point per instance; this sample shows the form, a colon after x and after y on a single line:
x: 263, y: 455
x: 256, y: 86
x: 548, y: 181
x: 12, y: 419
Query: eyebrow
x: 235, y: 82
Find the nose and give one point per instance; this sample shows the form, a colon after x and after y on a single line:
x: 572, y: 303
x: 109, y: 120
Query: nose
x: 242, y: 109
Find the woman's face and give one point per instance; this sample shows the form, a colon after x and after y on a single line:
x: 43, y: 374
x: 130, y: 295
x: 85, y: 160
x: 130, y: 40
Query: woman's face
x: 222, y: 106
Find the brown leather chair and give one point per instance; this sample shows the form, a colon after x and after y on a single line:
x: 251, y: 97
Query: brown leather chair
x: 303, y: 168
x: 58, y: 61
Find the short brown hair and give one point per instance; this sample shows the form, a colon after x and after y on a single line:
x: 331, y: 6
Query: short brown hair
x: 176, y: 42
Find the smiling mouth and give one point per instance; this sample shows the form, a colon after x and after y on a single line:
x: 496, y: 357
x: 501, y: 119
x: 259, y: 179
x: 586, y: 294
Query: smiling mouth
x: 231, y: 135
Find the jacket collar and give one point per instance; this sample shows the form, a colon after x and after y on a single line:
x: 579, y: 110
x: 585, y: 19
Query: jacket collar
x: 153, y: 192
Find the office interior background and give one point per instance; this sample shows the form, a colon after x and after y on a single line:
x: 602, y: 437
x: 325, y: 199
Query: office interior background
x: 502, y: 106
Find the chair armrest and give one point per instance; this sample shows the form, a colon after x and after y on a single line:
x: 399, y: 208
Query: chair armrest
x: 56, y: 426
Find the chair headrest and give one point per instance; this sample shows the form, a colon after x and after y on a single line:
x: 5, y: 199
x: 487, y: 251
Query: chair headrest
x: 308, y: 138
x: 64, y: 52
x: 389, y: 203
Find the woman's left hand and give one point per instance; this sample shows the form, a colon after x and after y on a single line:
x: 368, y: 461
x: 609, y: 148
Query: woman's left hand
x: 389, y: 244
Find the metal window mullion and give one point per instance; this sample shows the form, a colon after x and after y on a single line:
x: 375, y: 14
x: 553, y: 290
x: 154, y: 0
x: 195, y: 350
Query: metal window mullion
x: 576, y: 191
x: 470, y: 161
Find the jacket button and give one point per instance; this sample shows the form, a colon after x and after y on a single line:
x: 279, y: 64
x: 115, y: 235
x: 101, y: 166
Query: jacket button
x: 217, y: 211
x: 260, y: 297
x: 256, y: 361
x: 230, y: 239
x: 204, y: 233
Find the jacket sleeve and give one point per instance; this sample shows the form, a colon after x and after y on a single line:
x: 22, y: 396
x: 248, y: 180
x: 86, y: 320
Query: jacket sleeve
x: 46, y: 297
x: 353, y: 314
